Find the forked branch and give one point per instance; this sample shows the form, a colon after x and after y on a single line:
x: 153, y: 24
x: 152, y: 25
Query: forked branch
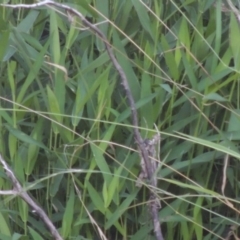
x: 19, y: 191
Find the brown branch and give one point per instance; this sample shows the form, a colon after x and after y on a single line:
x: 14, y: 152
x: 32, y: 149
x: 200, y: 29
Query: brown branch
x: 19, y: 190
x: 141, y: 145
x: 155, y: 205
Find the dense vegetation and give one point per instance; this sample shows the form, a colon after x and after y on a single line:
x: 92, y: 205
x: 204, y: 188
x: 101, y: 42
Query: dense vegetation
x: 66, y: 129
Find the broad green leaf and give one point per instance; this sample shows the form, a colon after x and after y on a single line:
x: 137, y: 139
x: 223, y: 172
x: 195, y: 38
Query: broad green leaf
x: 197, y: 215
x: 190, y: 72
x: 23, y: 210
x: 81, y: 93
x: 193, y: 187
x: 217, y: 45
x: 170, y: 59
x: 101, y: 163
x: 54, y: 108
x: 234, y: 121
x: 26, y: 51
x: 184, y: 37
x: 120, y: 209
x: 11, y: 70
x: 234, y: 37
x: 33, y: 73
x: 85, y: 4
x: 99, y: 204
x: 103, y: 87
x: 195, y: 163
x: 98, y: 62
x: 219, y: 147
x: 114, y: 185
x: 33, y: 150
x: 105, y: 195
x: 127, y: 68
x: 215, y: 97
x: 120, y: 8
x: 18, y: 167
x: 17, y: 236
x: 103, y: 8
x: 4, y: 41
x: 167, y: 88
x: 95, y: 197
x: 24, y: 26
x: 60, y: 74
x: 24, y: 137
x: 185, y: 231
x: 139, y: 104
x: 72, y: 35
x: 149, y: 50
x: 215, y: 78
x: 147, y: 109
x: 142, y: 233
x: 107, y: 137
x: 12, y: 143
x: 27, y: 23
x: 4, y: 228
x: 3, y: 236
x: 34, y: 234
x: 143, y: 16
x: 4, y: 114
x: 225, y: 61
x: 68, y: 215
x: 84, y: 93
x: 34, y: 45
x: 55, y: 41
x: 55, y: 184
x: 12, y: 82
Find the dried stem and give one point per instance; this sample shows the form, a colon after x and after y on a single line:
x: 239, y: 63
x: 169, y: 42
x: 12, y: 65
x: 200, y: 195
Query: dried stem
x: 141, y: 145
x: 19, y: 190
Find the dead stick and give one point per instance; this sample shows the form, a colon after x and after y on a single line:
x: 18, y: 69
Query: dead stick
x: 18, y: 190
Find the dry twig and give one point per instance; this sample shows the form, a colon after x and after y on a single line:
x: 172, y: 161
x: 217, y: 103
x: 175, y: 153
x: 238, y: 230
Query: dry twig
x: 19, y: 190
x: 150, y: 146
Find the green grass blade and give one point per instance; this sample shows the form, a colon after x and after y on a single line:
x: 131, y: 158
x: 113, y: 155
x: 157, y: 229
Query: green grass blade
x: 101, y: 163
x: 68, y: 216
x: 24, y: 137
x: 4, y: 226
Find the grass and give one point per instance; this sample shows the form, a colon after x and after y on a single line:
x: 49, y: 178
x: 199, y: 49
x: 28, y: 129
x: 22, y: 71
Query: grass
x: 66, y: 128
